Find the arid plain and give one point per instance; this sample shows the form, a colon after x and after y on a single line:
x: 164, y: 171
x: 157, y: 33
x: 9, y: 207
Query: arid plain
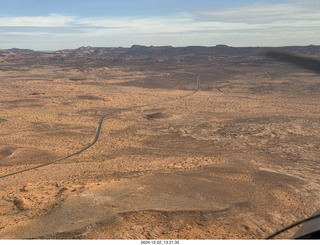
x: 238, y: 159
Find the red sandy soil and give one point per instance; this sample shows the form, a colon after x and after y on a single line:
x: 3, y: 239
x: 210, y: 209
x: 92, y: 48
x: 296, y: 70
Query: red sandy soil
x: 237, y: 160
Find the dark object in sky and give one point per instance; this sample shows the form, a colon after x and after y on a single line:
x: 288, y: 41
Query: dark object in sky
x: 298, y: 60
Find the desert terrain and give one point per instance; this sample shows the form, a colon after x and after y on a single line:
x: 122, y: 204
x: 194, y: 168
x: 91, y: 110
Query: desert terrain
x: 236, y: 159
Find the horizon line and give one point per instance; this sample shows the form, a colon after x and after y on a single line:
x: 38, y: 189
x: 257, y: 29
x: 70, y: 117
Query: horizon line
x: 156, y: 46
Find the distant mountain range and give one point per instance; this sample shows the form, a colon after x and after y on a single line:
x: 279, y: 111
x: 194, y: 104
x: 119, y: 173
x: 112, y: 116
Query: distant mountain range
x: 137, y: 55
x: 138, y: 50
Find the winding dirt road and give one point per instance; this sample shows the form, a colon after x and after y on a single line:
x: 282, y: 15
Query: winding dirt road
x: 98, y: 132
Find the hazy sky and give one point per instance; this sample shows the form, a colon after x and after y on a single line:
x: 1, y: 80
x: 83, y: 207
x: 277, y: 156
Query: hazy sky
x: 60, y: 24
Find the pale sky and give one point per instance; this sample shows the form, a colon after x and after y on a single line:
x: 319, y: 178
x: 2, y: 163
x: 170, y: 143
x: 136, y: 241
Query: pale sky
x: 61, y: 24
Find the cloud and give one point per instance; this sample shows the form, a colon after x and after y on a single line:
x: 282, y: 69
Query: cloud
x: 52, y: 24
x: 267, y: 24
x: 261, y: 13
x: 53, y: 20
x: 261, y: 24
